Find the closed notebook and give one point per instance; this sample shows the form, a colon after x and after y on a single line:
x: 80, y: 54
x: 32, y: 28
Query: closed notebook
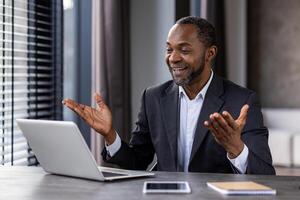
x: 241, y: 188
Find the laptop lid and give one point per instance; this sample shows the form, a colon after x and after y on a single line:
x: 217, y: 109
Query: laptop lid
x: 60, y: 148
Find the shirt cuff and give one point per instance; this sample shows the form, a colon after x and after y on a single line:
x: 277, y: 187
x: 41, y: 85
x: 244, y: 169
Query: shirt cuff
x: 241, y: 162
x: 114, y: 147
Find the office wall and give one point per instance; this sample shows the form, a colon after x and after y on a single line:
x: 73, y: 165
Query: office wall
x: 70, y: 54
x: 236, y: 40
x: 150, y: 22
x: 77, y: 58
x: 273, y: 58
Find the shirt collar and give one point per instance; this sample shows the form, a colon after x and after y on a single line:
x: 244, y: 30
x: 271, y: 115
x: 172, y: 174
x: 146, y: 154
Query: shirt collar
x: 202, y: 93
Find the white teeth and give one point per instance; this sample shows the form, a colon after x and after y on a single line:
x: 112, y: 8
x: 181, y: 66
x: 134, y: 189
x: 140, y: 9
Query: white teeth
x: 178, y: 69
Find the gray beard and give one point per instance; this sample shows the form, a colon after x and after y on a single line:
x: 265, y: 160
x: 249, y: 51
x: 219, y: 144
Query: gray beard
x: 185, y: 82
x: 190, y: 78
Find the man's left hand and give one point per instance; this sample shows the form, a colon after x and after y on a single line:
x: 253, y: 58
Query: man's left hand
x: 227, y: 131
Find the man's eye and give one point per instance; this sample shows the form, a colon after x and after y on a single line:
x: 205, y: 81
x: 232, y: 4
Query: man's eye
x: 169, y: 50
x: 185, y: 51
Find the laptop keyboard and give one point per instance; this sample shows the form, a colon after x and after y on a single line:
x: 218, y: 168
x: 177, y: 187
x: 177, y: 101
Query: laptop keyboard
x: 110, y: 174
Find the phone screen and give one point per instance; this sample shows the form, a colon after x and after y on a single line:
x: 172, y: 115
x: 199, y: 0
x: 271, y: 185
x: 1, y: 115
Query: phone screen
x: 166, y: 186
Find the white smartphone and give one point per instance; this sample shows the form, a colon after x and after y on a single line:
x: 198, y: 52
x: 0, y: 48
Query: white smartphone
x: 180, y: 187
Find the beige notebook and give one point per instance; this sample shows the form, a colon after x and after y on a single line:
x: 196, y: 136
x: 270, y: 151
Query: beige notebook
x: 241, y: 188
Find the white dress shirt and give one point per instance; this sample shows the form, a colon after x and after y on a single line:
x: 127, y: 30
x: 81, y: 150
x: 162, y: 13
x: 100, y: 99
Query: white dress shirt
x: 189, y: 113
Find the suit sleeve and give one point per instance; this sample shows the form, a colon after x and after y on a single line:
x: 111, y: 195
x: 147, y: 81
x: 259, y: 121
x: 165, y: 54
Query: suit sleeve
x: 140, y: 152
x: 255, y: 136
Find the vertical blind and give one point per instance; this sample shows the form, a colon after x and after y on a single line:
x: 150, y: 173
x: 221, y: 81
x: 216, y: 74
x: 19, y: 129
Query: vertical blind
x: 30, y: 71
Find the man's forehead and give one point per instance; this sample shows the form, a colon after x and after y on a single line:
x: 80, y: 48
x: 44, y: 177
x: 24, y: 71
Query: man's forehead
x: 182, y: 33
x: 180, y: 43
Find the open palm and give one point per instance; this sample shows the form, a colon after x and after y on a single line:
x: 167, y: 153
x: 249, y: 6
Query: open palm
x: 99, y: 119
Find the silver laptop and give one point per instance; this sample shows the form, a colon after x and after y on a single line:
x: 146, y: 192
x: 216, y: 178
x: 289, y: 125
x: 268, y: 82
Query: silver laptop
x: 61, y: 149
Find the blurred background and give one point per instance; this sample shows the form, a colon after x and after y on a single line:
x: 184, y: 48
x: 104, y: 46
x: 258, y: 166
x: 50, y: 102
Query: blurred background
x: 56, y: 49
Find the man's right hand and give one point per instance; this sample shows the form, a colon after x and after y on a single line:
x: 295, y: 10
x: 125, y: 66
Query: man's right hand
x: 99, y: 119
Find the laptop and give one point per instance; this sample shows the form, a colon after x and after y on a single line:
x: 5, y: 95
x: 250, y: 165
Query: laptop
x: 61, y: 149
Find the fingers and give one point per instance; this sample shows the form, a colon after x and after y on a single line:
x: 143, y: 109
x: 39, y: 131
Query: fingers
x: 80, y: 109
x: 229, y: 119
x: 225, y: 130
x: 99, y: 100
x: 218, y: 126
x: 243, y: 114
x: 226, y: 121
x: 69, y: 103
x: 213, y: 131
x: 215, y: 124
x: 210, y: 127
x: 220, y: 121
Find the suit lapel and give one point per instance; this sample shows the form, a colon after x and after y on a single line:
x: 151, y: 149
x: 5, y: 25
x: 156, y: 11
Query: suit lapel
x: 212, y: 103
x: 170, y: 113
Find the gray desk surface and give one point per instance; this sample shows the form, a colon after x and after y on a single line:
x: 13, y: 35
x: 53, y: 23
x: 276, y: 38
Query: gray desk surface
x: 34, y: 184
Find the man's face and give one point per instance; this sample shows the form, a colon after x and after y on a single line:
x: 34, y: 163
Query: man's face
x: 185, y: 54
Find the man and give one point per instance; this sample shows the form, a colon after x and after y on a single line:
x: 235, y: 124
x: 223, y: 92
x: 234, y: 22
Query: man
x: 197, y: 122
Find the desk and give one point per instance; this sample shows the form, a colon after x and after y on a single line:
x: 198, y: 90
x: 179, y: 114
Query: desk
x: 32, y: 183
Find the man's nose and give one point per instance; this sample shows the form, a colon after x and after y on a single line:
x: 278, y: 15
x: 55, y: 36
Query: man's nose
x: 175, y: 57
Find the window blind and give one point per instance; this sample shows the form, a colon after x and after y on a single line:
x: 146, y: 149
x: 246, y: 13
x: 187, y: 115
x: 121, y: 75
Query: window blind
x: 30, y: 71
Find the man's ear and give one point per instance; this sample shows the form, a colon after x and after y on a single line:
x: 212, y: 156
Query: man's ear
x: 211, y: 53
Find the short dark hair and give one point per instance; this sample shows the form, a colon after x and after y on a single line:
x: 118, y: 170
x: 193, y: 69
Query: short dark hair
x: 206, y: 31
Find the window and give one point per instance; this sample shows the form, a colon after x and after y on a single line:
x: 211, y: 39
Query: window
x: 30, y: 71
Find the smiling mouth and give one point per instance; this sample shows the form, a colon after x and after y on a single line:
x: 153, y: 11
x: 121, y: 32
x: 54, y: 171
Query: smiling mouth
x: 178, y: 69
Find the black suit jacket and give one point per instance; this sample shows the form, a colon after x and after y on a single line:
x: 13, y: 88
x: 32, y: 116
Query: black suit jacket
x: 157, y: 128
